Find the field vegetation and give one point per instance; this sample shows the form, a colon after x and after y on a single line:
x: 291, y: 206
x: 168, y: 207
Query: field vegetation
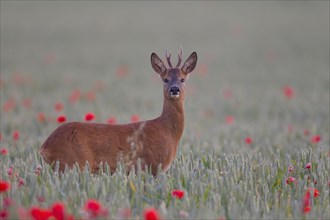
x: 256, y: 141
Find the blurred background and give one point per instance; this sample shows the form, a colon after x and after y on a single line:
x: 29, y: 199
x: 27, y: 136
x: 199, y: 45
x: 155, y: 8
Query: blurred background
x: 250, y: 53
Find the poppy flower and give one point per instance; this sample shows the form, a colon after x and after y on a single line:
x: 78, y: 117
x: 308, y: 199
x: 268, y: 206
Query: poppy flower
x: 94, y: 209
x: 21, y: 182
x: 229, y: 119
x: 151, y: 214
x: 89, y: 116
x: 315, y: 194
x: 202, y: 69
x: 290, y: 180
x: 135, y: 118
x: 10, y: 171
x: 58, y: 106
x: 112, y: 120
x: 75, y: 96
x: 9, y: 105
x: 290, y: 169
x: 4, y: 151
x: 61, y: 119
x: 307, y: 209
x: 248, y: 140
x: 90, y: 96
x: 4, y: 186
x: 4, y: 214
x: 58, y: 211
x: 306, y: 206
x: 315, y: 139
x: 178, y: 193
x: 308, y: 166
x: 288, y: 92
x: 306, y: 132
x: 122, y: 71
x: 16, y: 135
x: 40, y: 214
x: 27, y: 103
x: 41, y: 117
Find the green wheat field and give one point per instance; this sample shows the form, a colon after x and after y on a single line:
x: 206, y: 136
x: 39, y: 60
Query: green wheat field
x: 256, y: 140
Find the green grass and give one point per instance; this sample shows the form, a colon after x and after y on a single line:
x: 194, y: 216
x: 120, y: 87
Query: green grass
x: 251, y: 49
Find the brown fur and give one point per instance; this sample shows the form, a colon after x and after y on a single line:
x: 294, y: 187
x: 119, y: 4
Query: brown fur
x: 154, y: 142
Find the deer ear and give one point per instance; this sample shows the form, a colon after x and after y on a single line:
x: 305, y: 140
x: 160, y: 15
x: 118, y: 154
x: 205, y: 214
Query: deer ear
x: 157, y: 64
x: 190, y: 63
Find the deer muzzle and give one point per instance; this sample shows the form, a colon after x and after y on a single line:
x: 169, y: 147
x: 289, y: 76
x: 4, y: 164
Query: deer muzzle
x: 175, y: 91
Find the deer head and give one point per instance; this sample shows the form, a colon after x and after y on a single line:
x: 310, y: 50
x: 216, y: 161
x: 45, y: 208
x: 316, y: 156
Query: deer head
x: 174, y: 77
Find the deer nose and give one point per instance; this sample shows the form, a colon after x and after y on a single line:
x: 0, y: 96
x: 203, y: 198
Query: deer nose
x: 175, y: 91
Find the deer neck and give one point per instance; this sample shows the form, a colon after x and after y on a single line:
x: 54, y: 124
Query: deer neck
x: 172, y: 117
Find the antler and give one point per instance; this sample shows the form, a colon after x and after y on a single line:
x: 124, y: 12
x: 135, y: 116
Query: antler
x: 179, y: 57
x: 168, y: 57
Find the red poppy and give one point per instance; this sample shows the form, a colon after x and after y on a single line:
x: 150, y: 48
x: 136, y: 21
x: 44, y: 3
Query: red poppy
x: 151, y: 214
x: 89, y: 116
x: 112, y: 120
x: 4, y: 186
x: 315, y: 194
x: 15, y: 135
x: 308, y: 166
x: 248, y: 140
x: 135, y: 118
x: 94, y: 209
x: 178, y: 193
x: 58, y: 106
x: 306, y: 203
x: 75, y: 96
x: 90, y: 96
x: 316, y: 139
x: 21, y: 182
x: 4, y: 151
x: 41, y: 117
x: 122, y: 71
x: 10, y: 171
x: 290, y: 180
x: 7, y: 202
x: 306, y: 132
x: 202, y: 69
x: 40, y: 214
x: 4, y: 214
x: 27, y: 103
x: 9, y: 105
x: 307, y: 209
x: 61, y: 119
x: 288, y: 92
x: 58, y: 211
x: 229, y: 119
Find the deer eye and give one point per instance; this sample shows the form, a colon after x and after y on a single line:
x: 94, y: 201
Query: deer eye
x: 165, y: 80
x: 182, y: 80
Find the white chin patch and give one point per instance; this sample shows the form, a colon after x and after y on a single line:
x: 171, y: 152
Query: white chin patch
x: 175, y: 96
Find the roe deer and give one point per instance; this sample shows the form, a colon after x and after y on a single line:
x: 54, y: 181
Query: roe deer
x: 154, y: 142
